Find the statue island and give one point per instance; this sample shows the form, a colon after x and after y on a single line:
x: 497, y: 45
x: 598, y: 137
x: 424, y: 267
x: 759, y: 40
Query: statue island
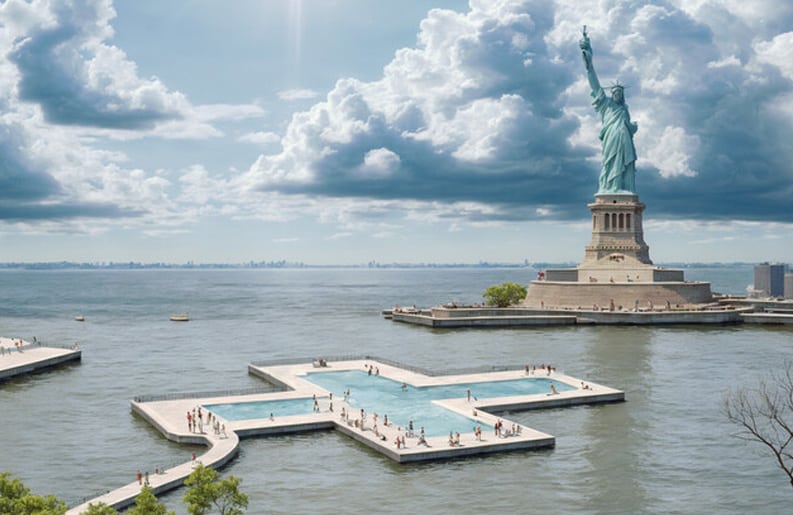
x: 617, y: 282
x: 616, y: 270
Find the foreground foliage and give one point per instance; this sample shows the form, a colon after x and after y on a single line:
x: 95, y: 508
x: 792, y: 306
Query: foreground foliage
x: 504, y: 295
x: 16, y: 499
x: 146, y: 504
x: 206, y: 492
x: 99, y: 509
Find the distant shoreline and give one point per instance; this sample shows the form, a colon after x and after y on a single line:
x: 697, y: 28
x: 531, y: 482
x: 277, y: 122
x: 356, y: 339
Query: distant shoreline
x: 69, y: 265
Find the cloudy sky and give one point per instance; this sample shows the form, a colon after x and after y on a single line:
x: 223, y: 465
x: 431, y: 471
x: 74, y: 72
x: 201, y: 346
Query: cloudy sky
x: 344, y: 131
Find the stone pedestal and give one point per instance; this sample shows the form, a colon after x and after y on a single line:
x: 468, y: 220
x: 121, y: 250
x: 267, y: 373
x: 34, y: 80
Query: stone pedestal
x: 617, y: 269
x: 617, y: 251
x: 617, y: 233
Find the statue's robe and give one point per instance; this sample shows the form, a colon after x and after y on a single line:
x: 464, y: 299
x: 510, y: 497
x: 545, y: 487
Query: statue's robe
x: 618, y: 174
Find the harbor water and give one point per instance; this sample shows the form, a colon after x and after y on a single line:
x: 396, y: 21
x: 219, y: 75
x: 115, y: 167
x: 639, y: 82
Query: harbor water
x: 668, y: 449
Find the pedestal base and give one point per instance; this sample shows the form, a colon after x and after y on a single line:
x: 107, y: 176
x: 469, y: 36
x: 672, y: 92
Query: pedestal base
x: 617, y: 234
x: 622, y: 295
x: 616, y: 272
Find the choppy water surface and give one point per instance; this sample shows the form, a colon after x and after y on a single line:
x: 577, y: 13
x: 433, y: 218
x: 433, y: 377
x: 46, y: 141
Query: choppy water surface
x: 668, y: 449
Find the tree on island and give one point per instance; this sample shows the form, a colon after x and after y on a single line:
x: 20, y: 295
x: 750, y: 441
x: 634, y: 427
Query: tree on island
x: 765, y: 415
x: 206, y: 492
x: 504, y: 295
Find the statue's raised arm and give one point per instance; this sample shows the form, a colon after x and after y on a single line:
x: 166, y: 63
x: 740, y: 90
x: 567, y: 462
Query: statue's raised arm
x: 586, y: 52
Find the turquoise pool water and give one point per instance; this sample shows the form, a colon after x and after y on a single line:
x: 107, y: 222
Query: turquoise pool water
x: 378, y: 394
x: 261, y: 409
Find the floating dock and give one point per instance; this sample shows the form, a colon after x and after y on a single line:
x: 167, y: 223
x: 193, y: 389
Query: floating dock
x: 169, y: 416
x: 27, y: 358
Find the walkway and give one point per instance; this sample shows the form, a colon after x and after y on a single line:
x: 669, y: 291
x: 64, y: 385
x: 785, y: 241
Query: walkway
x: 222, y: 449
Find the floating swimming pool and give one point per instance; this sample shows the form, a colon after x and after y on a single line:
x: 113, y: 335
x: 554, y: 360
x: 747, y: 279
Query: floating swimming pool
x: 378, y: 394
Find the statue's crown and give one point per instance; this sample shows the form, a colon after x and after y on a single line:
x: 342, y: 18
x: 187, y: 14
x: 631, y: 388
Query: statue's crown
x: 616, y: 85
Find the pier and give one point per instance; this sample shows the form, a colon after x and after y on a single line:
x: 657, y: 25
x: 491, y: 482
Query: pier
x: 29, y: 358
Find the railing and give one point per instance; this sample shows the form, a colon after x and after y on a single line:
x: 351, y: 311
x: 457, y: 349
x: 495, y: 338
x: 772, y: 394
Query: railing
x: 96, y: 495
x: 294, y: 361
x: 38, y: 343
x: 393, y: 363
x: 217, y: 393
x: 85, y: 499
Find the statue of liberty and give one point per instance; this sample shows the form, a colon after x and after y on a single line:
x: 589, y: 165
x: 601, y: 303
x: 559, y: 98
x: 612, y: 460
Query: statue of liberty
x: 618, y: 174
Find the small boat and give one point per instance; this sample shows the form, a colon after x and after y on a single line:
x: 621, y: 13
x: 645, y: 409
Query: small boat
x: 180, y: 317
x: 80, y: 318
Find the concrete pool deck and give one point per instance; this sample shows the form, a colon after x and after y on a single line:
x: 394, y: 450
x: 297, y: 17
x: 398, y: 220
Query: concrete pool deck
x: 32, y: 358
x: 169, y: 416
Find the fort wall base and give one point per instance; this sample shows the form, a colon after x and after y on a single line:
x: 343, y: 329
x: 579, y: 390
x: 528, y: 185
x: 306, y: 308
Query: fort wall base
x: 556, y: 294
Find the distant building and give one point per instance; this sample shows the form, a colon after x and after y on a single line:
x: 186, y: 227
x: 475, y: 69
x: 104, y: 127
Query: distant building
x: 770, y: 279
x: 789, y: 286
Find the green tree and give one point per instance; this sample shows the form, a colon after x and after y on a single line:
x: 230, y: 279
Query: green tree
x: 504, y: 295
x: 764, y: 414
x: 16, y: 499
x: 206, y: 492
x: 99, y: 509
x: 146, y: 504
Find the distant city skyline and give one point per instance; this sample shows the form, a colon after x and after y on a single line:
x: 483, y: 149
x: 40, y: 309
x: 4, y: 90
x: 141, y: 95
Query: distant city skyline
x: 352, y: 131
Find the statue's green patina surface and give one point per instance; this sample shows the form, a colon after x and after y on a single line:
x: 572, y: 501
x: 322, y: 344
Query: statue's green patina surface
x: 618, y: 174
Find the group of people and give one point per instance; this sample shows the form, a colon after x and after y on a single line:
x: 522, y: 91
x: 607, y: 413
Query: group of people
x: 401, y: 438
x: 360, y: 423
x: 18, y: 344
x: 143, y: 479
x: 195, y: 422
x: 316, y: 406
x: 501, y: 432
x: 532, y: 369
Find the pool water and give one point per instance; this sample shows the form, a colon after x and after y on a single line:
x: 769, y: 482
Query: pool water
x: 384, y: 396
x: 378, y: 394
x: 236, y: 411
